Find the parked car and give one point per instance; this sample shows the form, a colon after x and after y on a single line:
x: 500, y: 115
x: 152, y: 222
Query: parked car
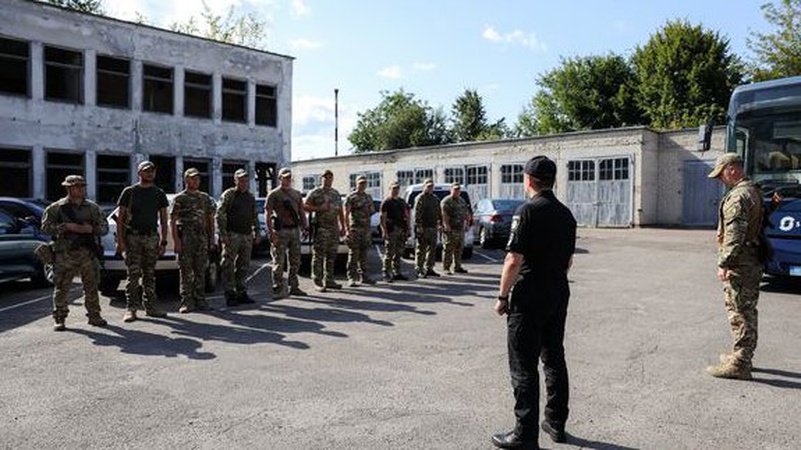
x: 18, y: 240
x: 492, y: 221
x: 114, y: 264
x: 375, y: 221
x: 24, y: 210
x: 264, y: 247
x: 440, y: 191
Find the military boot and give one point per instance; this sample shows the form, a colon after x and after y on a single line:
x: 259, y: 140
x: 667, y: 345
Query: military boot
x: 96, y: 320
x: 231, y: 298
x: 333, y: 285
x: 730, y: 369
x: 129, y: 316
x: 59, y: 325
x: 152, y: 311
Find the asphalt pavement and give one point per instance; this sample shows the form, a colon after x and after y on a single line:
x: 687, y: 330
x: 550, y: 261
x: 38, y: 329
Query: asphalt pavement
x: 419, y: 364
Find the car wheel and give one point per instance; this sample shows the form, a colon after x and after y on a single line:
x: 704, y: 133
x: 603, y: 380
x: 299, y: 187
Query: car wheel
x: 212, y: 276
x: 108, y: 285
x: 45, y: 276
x: 483, y: 238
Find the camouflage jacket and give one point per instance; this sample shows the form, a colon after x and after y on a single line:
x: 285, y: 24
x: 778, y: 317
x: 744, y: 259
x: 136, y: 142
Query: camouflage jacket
x: 318, y: 197
x: 55, y: 219
x: 193, y: 211
x: 739, y: 224
x: 427, y: 211
x: 456, y: 209
x: 361, y: 208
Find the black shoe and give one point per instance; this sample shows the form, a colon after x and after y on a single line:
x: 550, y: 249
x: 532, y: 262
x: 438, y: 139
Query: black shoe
x: 557, y: 434
x: 421, y: 275
x: 388, y: 278
x: 512, y: 440
x: 459, y: 270
x: 204, y: 306
x: 231, y: 299
x: 431, y: 273
x: 400, y: 277
x: 277, y: 288
x: 368, y: 281
x: 244, y: 298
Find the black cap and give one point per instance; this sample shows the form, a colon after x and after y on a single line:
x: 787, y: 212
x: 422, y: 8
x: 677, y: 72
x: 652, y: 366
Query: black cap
x: 541, y: 168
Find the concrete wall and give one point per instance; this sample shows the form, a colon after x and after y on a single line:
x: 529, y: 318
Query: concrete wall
x: 657, y: 163
x: 38, y: 125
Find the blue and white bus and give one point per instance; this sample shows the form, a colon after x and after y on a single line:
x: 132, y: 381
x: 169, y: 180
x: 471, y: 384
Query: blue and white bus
x: 763, y: 125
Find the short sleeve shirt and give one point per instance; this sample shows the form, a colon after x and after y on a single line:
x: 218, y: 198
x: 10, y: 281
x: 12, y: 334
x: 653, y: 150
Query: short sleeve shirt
x: 286, y: 205
x: 361, y: 208
x: 318, y: 197
x: 143, y: 204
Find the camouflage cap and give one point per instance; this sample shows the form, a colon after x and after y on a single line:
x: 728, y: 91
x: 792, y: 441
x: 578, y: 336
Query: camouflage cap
x: 145, y: 165
x: 428, y: 181
x: 240, y: 173
x: 394, y: 184
x: 723, y: 161
x: 361, y: 178
x: 456, y: 185
x: 327, y: 173
x: 191, y: 172
x: 284, y: 172
x: 74, y: 180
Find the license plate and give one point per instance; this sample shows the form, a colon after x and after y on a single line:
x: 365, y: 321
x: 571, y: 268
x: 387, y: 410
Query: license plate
x: 795, y: 271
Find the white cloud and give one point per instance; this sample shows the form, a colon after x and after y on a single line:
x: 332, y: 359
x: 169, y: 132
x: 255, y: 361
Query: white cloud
x: 304, y: 44
x: 424, y: 66
x: 313, y: 127
x: 515, y: 37
x: 308, y: 109
x: 390, y: 72
x: 300, y: 8
x: 163, y: 13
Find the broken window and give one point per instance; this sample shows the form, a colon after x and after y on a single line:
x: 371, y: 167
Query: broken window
x: 266, y: 106
x: 63, y: 75
x: 113, y: 82
x: 203, y: 166
x: 165, y: 172
x: 113, y: 174
x: 14, y: 58
x: 197, y: 95
x: 234, y: 100
x: 157, y: 95
x: 15, y: 164
x: 58, y: 166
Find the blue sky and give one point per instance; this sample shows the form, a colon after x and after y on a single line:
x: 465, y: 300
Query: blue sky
x: 436, y: 49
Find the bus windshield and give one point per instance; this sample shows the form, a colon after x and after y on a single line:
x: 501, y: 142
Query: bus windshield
x: 770, y: 141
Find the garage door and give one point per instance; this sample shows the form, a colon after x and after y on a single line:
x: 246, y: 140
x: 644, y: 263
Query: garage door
x: 701, y: 194
x: 599, y: 191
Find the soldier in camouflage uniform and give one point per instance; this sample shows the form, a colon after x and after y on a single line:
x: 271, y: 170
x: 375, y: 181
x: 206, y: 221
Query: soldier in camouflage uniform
x: 75, y: 224
x: 192, y: 227
x: 427, y: 222
x: 285, y: 220
x: 739, y: 268
x: 328, y: 226
x: 142, y: 209
x: 358, y: 209
x: 395, y: 229
x: 455, y: 215
x: 238, y: 225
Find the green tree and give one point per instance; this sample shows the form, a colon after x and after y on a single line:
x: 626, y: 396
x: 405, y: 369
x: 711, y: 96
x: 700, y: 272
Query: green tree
x: 90, y: 6
x: 469, y: 117
x: 399, y: 121
x: 241, y: 29
x: 585, y: 93
x: 685, y: 76
x: 778, y: 54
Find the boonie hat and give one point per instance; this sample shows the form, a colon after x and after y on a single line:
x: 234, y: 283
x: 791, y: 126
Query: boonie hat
x: 284, y: 172
x: 191, y: 172
x: 541, y: 168
x: 144, y: 165
x: 74, y: 180
x: 723, y: 161
x: 240, y: 173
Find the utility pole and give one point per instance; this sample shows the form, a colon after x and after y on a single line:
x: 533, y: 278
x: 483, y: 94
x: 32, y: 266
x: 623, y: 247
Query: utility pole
x: 336, y: 122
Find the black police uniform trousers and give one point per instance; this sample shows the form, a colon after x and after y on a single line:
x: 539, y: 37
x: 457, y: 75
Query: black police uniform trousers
x: 536, y: 330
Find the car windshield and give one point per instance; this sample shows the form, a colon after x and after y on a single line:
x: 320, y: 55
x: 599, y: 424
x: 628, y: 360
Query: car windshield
x: 506, y: 205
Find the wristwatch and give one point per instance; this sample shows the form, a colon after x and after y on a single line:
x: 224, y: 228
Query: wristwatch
x: 503, y: 298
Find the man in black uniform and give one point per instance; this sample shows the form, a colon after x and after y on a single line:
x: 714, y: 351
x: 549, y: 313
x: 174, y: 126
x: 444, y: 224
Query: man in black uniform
x: 540, y: 253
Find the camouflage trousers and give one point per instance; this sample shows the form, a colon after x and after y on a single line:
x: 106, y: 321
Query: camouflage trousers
x: 742, y: 294
x: 288, y: 242
x: 452, y: 243
x: 359, y: 240
x: 394, y: 245
x: 68, y: 264
x: 426, y: 249
x: 192, y: 262
x: 236, y: 261
x: 324, y: 254
x: 141, y: 255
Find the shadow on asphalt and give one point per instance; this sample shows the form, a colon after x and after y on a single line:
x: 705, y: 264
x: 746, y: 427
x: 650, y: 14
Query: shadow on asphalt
x: 781, y: 285
x: 595, y: 445
x: 148, y: 344
x: 778, y: 382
